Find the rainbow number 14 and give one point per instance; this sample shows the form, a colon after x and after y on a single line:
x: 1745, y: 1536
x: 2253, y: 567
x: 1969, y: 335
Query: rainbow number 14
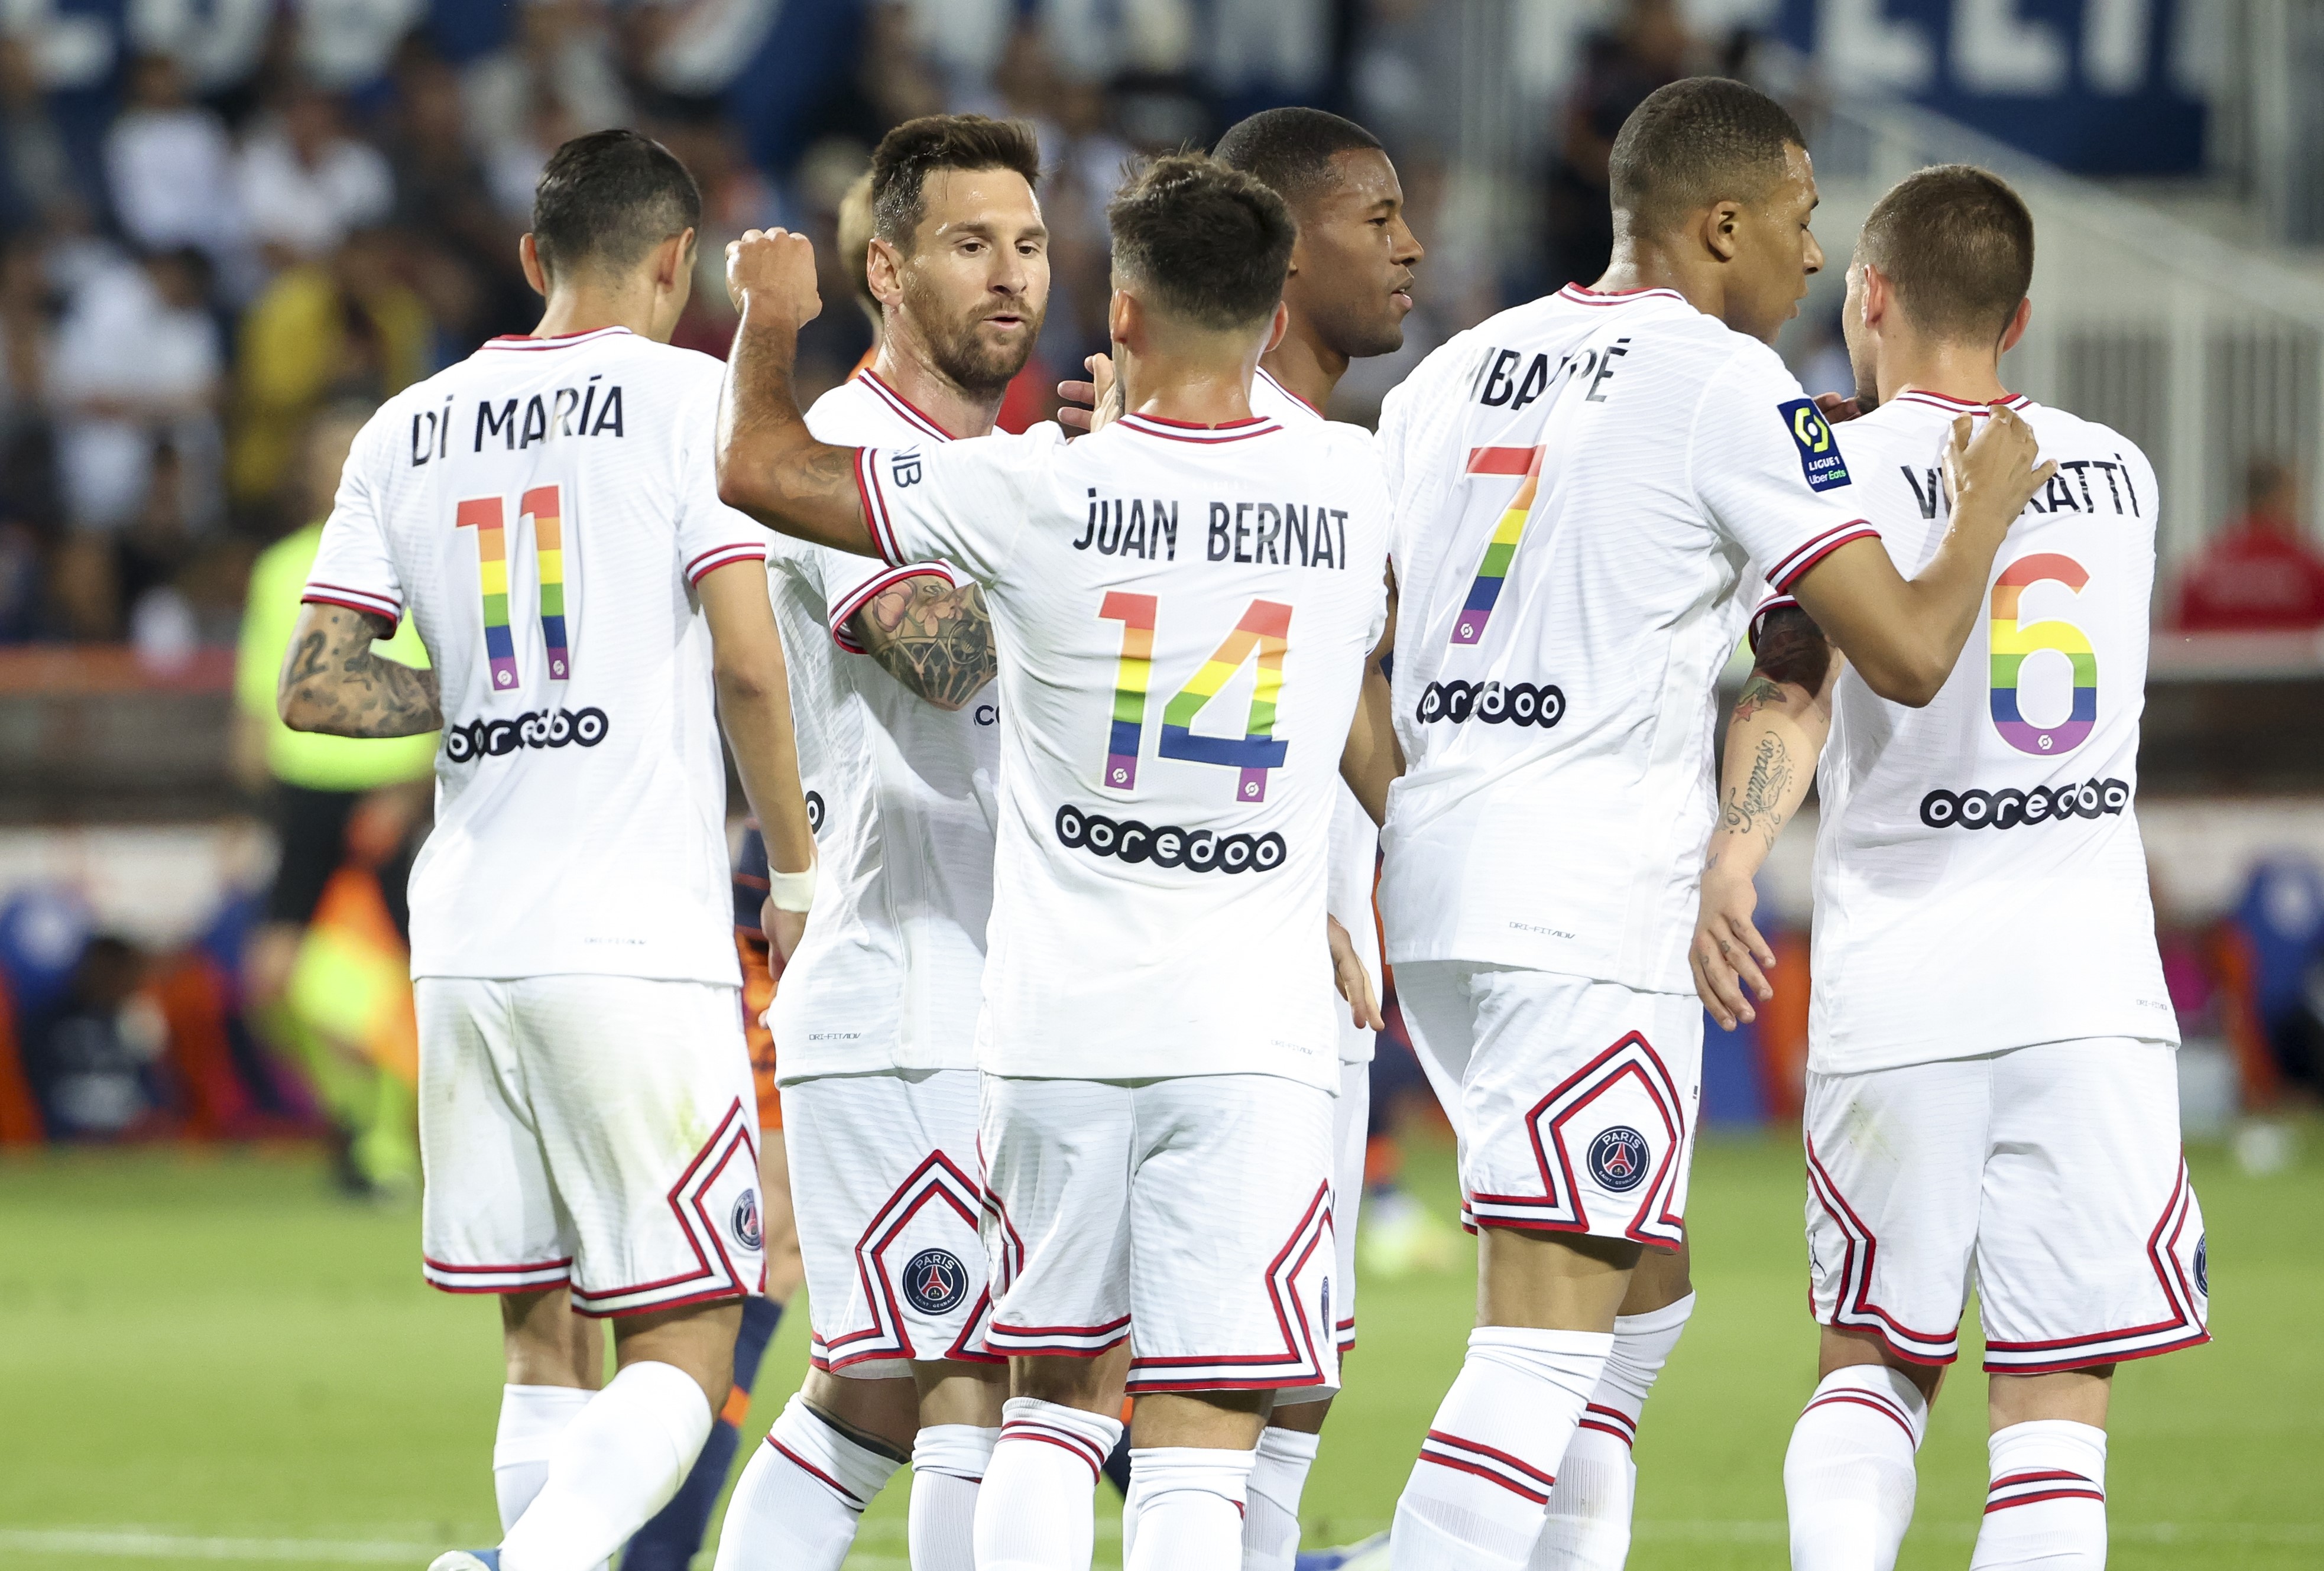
x: 1264, y: 633
x: 484, y: 515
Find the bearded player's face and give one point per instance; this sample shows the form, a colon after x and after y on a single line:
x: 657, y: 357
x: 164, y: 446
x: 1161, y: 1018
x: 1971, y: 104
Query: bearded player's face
x: 975, y: 283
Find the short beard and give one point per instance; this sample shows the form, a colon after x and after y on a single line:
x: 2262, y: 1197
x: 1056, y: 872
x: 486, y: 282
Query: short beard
x: 967, y: 361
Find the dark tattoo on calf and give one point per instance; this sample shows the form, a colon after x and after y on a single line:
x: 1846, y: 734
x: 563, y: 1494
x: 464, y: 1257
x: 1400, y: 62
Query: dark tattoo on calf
x: 933, y: 637
x: 1754, y: 807
x: 333, y: 683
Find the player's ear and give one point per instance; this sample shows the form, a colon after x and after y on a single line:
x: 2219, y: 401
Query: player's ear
x: 883, y: 269
x: 2018, y: 320
x: 528, y: 257
x: 1720, y: 222
x: 1123, y: 319
x: 674, y: 265
x: 1878, y: 296
x: 1277, y: 328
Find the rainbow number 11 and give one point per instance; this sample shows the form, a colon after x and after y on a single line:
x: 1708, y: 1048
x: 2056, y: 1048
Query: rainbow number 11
x: 484, y: 515
x: 1263, y: 631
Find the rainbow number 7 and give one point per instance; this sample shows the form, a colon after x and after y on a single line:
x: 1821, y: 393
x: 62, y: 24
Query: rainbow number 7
x: 484, y: 515
x: 1502, y: 548
x: 1264, y: 632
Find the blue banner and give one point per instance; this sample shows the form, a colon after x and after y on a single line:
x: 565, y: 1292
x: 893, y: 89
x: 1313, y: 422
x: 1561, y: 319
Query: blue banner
x: 2089, y: 85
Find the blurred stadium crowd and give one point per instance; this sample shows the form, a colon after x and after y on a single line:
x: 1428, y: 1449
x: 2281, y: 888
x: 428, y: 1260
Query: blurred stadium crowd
x: 229, y: 228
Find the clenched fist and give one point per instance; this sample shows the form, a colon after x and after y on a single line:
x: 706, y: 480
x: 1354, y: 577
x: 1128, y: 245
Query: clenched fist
x: 771, y: 272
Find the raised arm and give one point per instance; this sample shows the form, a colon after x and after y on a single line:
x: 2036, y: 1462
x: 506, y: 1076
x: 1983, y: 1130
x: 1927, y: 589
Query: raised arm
x: 1774, y: 738
x: 1904, y: 636
x: 769, y: 466
x: 332, y: 681
x: 931, y: 635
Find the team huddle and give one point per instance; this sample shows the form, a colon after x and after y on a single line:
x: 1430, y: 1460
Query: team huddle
x: 1074, y: 756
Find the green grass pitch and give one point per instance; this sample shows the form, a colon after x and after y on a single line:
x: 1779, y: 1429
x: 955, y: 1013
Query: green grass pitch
x: 204, y: 1361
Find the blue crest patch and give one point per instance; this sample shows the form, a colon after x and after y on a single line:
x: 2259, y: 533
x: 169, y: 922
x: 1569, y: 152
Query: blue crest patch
x: 934, y: 1281
x: 1811, y: 433
x: 1618, y: 1159
x: 2203, y: 1263
x: 744, y: 1220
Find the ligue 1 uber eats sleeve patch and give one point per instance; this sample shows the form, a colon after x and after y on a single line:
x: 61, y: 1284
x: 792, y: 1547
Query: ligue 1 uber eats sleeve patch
x: 1819, y: 458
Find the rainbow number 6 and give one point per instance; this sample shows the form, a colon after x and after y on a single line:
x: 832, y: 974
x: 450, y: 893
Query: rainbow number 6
x: 2013, y: 641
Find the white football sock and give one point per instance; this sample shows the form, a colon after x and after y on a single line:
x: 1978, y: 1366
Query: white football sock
x: 796, y: 1504
x: 949, y: 1464
x: 532, y: 1418
x: 1588, y: 1525
x: 1270, y: 1518
x: 1033, y: 1509
x: 2045, y: 1508
x: 616, y: 1463
x: 1477, y: 1494
x: 1848, y: 1477
x: 1190, y: 1507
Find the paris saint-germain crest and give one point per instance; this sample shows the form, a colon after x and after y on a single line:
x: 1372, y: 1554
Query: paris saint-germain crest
x: 934, y: 1281
x: 745, y: 1219
x: 1618, y: 1158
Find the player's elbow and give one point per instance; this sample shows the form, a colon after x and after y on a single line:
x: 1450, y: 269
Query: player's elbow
x: 741, y: 679
x: 300, y: 709
x: 1911, y: 678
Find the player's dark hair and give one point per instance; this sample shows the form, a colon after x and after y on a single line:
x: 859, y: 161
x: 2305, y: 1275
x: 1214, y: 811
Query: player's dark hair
x: 907, y: 155
x: 1291, y: 149
x: 1957, y: 243
x: 1207, y: 244
x: 609, y: 197
x: 1696, y: 141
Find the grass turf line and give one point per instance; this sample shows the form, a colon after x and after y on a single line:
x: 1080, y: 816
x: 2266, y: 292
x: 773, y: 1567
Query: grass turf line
x: 207, y: 1360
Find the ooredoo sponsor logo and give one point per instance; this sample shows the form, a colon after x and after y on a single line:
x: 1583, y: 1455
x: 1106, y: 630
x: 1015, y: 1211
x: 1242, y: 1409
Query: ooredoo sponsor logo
x: 542, y: 728
x: 1492, y: 704
x: 2010, y: 807
x: 1198, y: 850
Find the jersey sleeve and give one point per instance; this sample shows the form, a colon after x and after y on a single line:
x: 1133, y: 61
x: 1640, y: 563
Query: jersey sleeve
x: 850, y: 582
x: 352, y: 565
x: 710, y: 534
x: 967, y: 502
x: 1769, y: 472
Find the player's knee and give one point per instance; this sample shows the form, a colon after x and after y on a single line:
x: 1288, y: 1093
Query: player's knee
x: 1844, y: 1347
x: 881, y: 1414
x: 1072, y: 1382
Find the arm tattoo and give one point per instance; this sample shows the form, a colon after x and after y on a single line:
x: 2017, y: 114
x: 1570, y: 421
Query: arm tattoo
x: 1758, y: 693
x: 1754, y: 807
x: 333, y: 683
x: 1792, y: 648
x: 934, y: 637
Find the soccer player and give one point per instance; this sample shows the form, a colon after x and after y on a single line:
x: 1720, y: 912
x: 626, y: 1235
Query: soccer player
x: 1157, y: 1042
x: 900, y: 752
x: 1585, y: 489
x: 1345, y: 299
x: 1992, y: 828
x: 546, y: 511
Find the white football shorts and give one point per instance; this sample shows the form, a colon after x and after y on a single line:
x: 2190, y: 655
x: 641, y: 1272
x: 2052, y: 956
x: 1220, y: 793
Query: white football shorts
x: 1574, y: 1100
x: 598, y: 1133
x: 2050, y: 1176
x: 884, y: 1187
x: 1350, y: 1136
x: 1192, y: 1216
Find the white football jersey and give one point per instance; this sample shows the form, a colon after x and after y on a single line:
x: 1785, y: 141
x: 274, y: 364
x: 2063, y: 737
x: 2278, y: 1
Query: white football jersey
x: 1355, y: 840
x: 1182, y: 614
x: 542, y: 510
x: 901, y: 796
x: 1982, y: 854
x: 1588, y: 490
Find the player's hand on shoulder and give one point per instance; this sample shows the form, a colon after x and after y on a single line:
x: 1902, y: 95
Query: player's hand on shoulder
x: 1996, y: 461
x: 1838, y: 408
x: 1354, y: 982
x: 773, y: 270
x: 1092, y: 404
x: 1728, y: 958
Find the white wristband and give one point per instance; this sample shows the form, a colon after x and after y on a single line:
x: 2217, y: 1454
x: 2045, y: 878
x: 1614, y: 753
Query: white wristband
x: 791, y: 891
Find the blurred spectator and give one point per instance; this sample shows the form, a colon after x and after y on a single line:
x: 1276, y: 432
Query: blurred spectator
x: 327, y: 794
x: 441, y: 190
x: 555, y: 80
x: 137, y: 364
x: 35, y: 170
x: 305, y: 183
x: 93, y: 1057
x: 171, y: 167
x: 2259, y: 574
x: 344, y: 45
x: 346, y: 326
x: 1648, y: 47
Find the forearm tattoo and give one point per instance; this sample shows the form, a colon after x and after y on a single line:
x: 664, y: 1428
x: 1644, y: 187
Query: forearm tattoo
x: 809, y: 488
x: 333, y: 683
x: 931, y: 636
x: 1756, y: 807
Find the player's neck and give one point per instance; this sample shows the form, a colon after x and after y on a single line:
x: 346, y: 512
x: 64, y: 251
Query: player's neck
x: 1307, y: 368
x: 584, y: 308
x: 1191, y: 392
x: 1957, y: 372
x: 904, y: 363
x: 1637, y: 266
